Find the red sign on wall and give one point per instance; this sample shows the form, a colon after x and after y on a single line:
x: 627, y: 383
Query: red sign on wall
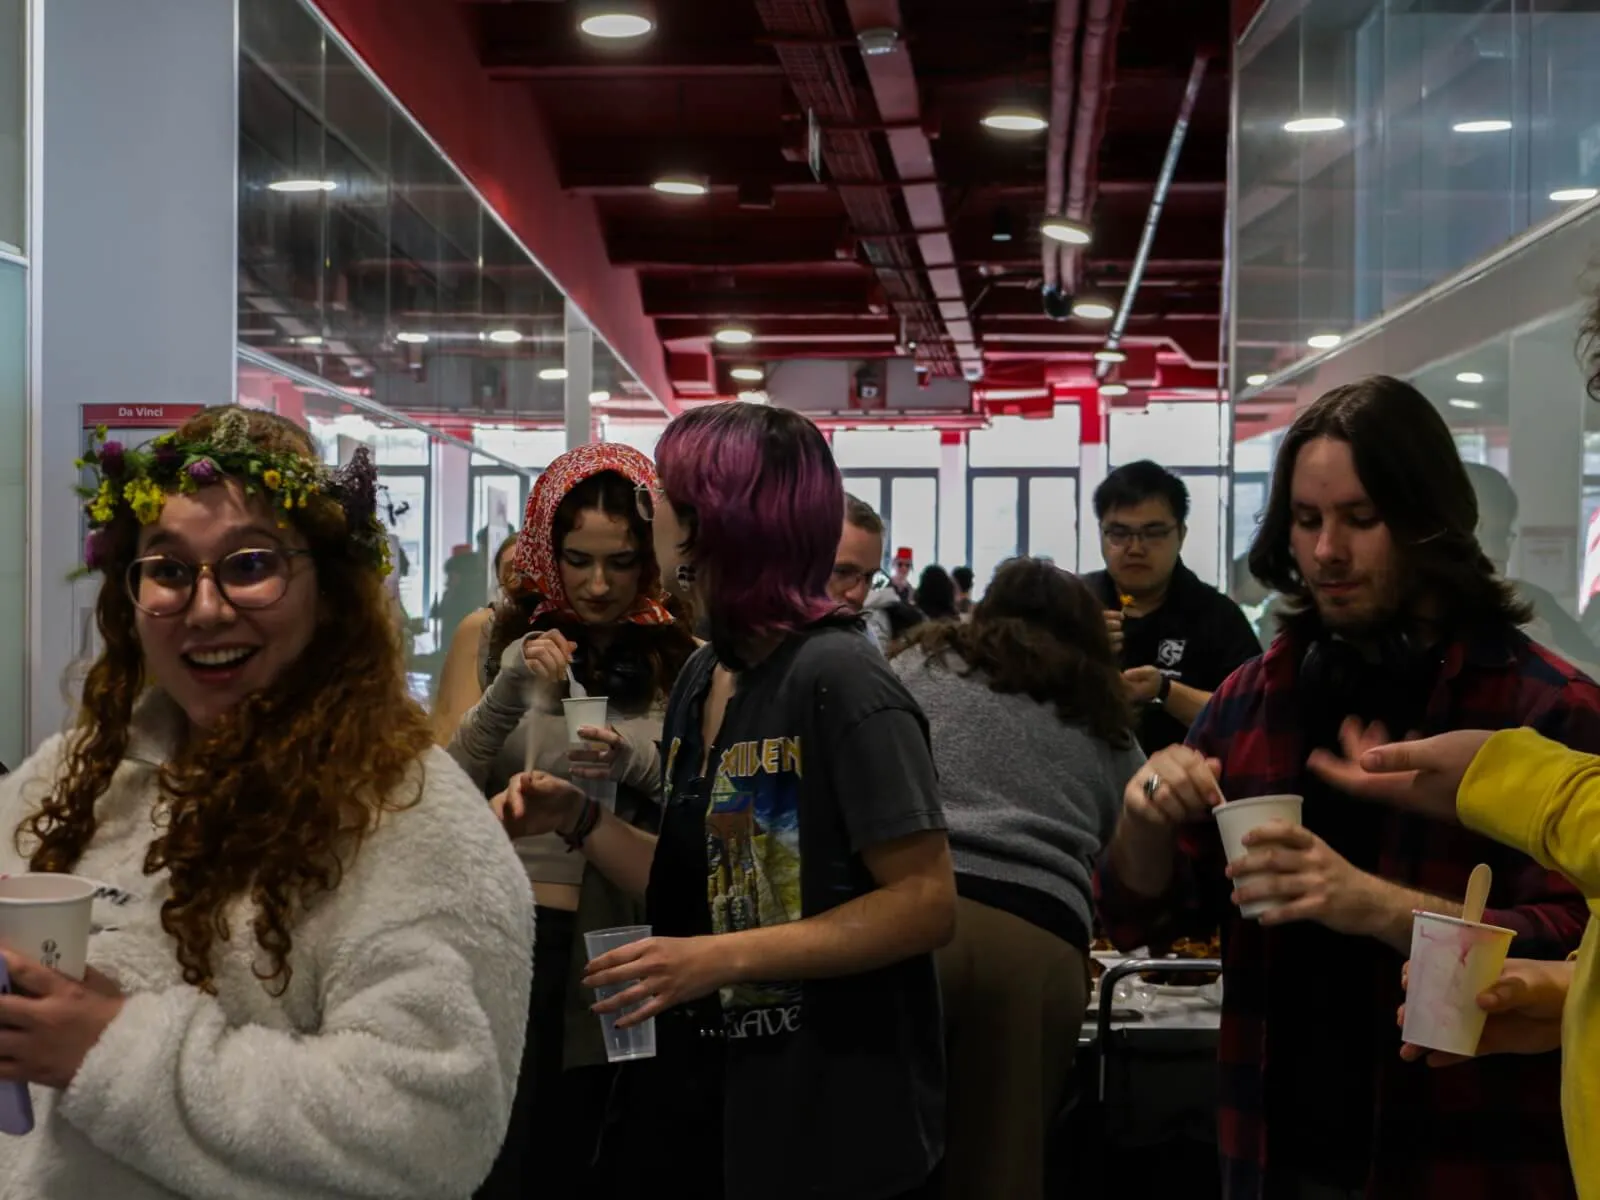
x: 138, y: 416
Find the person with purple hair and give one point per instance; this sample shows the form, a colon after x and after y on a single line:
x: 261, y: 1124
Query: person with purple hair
x: 801, y: 878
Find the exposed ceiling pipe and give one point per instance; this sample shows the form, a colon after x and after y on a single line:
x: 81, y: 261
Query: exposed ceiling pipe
x: 1063, y: 70
x: 1158, y: 199
x: 1097, y: 48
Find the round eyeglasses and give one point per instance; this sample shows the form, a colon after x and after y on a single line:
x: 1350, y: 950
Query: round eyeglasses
x: 248, y: 579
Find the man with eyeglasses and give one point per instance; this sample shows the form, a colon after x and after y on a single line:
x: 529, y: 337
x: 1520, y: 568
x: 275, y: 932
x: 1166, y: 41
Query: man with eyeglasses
x: 1179, y: 637
x: 858, y: 581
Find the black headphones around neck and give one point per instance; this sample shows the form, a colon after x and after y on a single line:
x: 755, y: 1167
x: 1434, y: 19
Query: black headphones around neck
x: 1334, y: 670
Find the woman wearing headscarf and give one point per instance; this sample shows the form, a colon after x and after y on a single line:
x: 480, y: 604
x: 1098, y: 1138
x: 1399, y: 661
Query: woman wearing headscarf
x: 588, y: 598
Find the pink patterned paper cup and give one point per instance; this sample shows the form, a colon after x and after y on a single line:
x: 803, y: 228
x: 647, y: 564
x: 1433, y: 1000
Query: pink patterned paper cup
x: 1452, y: 961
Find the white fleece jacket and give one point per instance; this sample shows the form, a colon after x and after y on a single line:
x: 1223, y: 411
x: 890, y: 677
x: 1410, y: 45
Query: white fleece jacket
x: 385, y: 1070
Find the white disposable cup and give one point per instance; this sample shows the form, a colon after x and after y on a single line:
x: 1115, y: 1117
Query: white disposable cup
x: 638, y: 1041
x: 46, y: 917
x: 580, y: 712
x: 1452, y: 961
x: 1237, y: 818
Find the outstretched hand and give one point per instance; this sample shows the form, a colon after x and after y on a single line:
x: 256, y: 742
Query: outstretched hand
x: 1420, y: 776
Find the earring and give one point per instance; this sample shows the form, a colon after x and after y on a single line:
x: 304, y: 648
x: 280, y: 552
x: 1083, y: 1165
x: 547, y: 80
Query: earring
x: 685, y: 577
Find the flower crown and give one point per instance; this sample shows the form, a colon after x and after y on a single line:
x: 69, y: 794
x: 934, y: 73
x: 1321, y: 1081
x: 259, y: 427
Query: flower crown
x: 141, y: 479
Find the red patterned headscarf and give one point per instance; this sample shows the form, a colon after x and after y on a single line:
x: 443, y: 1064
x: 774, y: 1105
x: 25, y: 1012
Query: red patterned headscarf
x: 535, y: 558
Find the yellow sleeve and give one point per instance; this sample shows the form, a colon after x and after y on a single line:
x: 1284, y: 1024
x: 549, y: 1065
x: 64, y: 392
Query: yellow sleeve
x: 1538, y: 797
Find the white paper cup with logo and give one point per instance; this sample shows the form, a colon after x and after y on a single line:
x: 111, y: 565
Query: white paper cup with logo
x: 46, y: 917
x: 637, y: 1041
x: 1452, y: 961
x: 1237, y: 818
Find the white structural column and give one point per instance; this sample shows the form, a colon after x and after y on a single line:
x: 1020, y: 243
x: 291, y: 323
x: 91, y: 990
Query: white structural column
x: 135, y: 287
x: 1546, y: 462
x: 580, y: 378
x: 1092, y: 471
x: 953, y: 502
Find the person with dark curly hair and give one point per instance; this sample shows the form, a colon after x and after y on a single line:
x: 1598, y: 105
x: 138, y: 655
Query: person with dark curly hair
x: 1032, y: 735
x: 315, y: 983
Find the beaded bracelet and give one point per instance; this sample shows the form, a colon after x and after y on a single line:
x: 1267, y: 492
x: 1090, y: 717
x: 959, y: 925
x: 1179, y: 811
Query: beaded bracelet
x: 588, y: 819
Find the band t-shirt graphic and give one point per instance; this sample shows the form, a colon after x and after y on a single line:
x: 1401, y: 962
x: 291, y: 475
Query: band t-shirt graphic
x: 822, y: 753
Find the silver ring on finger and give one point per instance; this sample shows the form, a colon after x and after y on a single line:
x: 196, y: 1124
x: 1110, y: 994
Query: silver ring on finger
x: 1152, y: 785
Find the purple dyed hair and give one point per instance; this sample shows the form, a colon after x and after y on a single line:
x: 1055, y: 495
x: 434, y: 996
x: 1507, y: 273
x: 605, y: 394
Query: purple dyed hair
x: 764, y: 503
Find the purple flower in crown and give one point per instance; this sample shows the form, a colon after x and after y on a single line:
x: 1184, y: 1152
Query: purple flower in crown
x: 202, y: 470
x: 168, y: 456
x: 94, y: 550
x: 111, y: 458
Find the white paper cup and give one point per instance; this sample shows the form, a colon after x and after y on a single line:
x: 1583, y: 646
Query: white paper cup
x: 46, y: 917
x: 582, y: 711
x: 1236, y: 818
x: 1451, y: 962
x: 638, y: 1041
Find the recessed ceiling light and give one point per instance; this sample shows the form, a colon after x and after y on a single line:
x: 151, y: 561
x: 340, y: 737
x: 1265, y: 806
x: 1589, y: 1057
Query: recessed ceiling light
x: 1313, y: 125
x: 748, y: 374
x: 1469, y: 377
x: 1015, y: 118
x: 505, y: 337
x: 1323, y: 341
x: 733, y: 335
x: 599, y: 397
x: 1062, y: 230
x: 755, y: 397
x: 1090, y: 309
x: 681, y: 185
x: 310, y: 339
x: 553, y: 374
x: 412, y: 339
x: 1572, y: 195
x: 1491, y: 126
x: 615, y: 19
x: 1255, y: 380
x: 874, y: 42
x: 1113, y: 389
x: 1457, y: 402
x: 301, y: 185
x: 1109, y: 355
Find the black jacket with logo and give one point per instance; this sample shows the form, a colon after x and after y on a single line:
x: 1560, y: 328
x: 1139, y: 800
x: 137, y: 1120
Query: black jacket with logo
x: 1198, y: 637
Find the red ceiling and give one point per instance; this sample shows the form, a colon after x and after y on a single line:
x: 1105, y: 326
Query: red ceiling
x: 895, y: 245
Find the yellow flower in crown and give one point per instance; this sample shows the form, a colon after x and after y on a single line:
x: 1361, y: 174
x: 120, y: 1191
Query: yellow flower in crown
x: 104, y: 504
x: 272, y: 479
x: 146, y: 498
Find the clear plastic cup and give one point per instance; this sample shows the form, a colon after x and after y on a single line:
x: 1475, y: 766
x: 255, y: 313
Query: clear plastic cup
x: 46, y: 917
x: 1237, y: 818
x: 589, y: 710
x: 638, y: 1041
x: 1452, y: 961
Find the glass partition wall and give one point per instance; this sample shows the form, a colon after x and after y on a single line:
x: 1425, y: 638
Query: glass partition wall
x: 14, y: 419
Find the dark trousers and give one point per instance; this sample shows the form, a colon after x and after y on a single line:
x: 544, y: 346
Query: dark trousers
x: 557, y: 1114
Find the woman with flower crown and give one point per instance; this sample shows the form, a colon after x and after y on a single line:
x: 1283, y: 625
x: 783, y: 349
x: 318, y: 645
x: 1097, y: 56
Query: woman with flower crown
x: 315, y: 982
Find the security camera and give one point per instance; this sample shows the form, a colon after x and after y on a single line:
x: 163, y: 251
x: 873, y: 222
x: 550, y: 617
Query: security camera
x: 973, y: 372
x: 1057, y: 303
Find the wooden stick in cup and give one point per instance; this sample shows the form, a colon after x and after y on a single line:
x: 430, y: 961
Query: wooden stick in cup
x: 1477, y: 893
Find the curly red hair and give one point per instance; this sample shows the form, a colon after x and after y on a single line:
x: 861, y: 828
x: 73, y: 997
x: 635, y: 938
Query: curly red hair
x: 274, y: 801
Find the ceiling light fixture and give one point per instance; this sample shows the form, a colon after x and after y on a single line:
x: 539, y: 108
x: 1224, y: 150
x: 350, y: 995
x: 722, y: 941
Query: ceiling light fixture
x: 310, y: 339
x: 1323, y: 341
x: 412, y: 339
x: 1490, y: 126
x: 1060, y: 229
x: 874, y: 42
x: 296, y: 186
x: 748, y: 374
x: 615, y: 20
x: 1110, y: 354
x: 553, y: 374
x: 1092, y: 309
x: 504, y: 337
x: 1314, y: 125
x: 733, y: 335
x: 755, y: 397
x: 1458, y: 402
x: 1255, y: 380
x: 599, y: 397
x: 1015, y: 118
x: 1003, y: 230
x: 682, y: 185
x: 1113, y: 389
x: 1573, y: 195
x: 1469, y: 377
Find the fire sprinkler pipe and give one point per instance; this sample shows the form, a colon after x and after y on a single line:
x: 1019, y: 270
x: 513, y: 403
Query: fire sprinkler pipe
x: 1063, y: 63
x: 1158, y: 199
x: 1097, y: 47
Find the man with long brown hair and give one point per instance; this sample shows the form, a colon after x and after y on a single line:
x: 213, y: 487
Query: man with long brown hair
x: 1396, y: 620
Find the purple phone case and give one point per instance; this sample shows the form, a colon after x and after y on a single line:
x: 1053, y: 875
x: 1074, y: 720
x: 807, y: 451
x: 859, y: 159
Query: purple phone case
x: 16, y: 1106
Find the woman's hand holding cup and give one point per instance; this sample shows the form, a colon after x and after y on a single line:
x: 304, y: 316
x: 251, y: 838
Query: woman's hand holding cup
x: 602, y: 755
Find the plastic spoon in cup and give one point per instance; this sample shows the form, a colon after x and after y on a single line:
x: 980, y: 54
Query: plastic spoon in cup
x: 576, y: 690
x: 1477, y: 894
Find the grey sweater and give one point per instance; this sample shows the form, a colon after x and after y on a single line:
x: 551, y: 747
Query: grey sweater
x: 1030, y: 800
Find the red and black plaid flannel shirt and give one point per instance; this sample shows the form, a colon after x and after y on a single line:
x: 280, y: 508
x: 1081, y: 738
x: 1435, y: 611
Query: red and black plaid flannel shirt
x: 1489, y: 1128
